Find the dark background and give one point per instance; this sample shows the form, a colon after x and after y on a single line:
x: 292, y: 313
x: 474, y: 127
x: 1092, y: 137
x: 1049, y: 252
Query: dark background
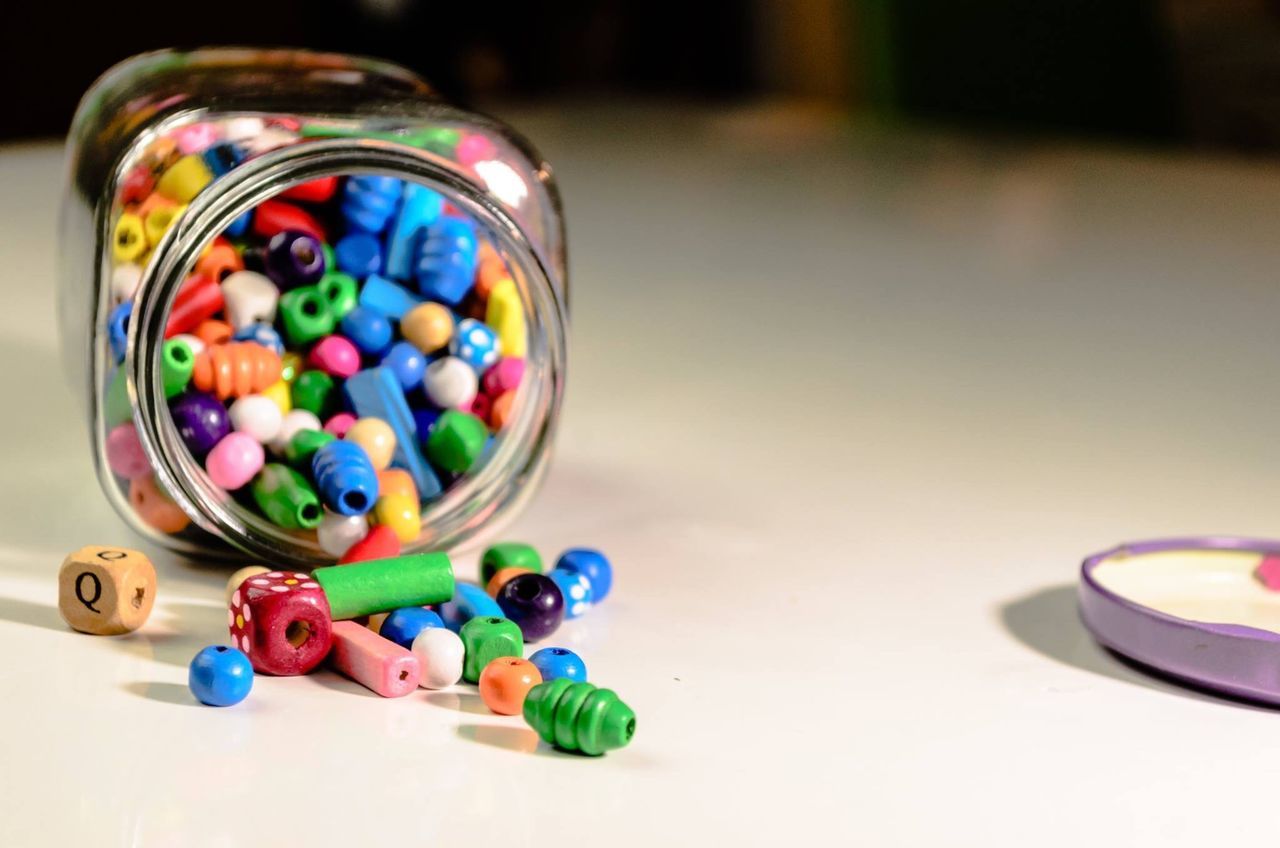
x: 1174, y: 72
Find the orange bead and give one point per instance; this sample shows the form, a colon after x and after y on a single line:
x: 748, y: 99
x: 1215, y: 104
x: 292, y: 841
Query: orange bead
x: 235, y: 369
x: 155, y: 507
x: 152, y: 203
x: 500, y: 578
x: 396, y: 481
x: 219, y: 262
x: 213, y: 332
x: 505, y: 682
x: 500, y: 412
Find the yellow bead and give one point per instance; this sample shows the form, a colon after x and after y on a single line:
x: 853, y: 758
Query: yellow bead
x: 427, y: 327
x: 375, y: 621
x: 280, y: 395
x: 376, y: 437
x: 290, y: 366
x: 505, y: 314
x: 401, y: 514
x: 159, y: 220
x: 130, y: 238
x: 185, y: 179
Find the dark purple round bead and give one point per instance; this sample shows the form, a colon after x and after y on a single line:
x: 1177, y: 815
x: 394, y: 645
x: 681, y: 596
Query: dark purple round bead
x: 294, y: 259
x: 201, y: 421
x: 535, y: 603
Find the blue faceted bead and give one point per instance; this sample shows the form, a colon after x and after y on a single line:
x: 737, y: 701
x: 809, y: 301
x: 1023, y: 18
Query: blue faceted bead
x: 368, y: 329
x: 118, y: 328
x: 469, y: 601
x: 407, y: 363
x: 263, y: 334
x: 593, y: 565
x: 403, y: 625
x: 368, y: 202
x: 376, y: 393
x: 445, y: 260
x: 475, y: 343
x: 358, y: 254
x: 577, y: 591
x: 419, y: 208
x: 220, y: 676
x: 559, y: 662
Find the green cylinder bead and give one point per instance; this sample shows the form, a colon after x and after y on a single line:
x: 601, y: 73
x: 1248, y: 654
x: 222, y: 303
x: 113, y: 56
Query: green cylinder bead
x: 177, y: 361
x: 579, y: 717
x: 305, y: 315
x: 326, y: 250
x: 286, y: 498
x: 314, y: 391
x: 382, y: 585
x: 341, y: 291
x: 303, y: 446
x: 117, y: 407
x: 508, y: 555
x: 485, y: 638
x: 456, y: 441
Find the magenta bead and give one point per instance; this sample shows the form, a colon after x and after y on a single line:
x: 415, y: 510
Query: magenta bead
x: 480, y: 406
x: 125, y: 454
x: 196, y: 138
x: 504, y: 376
x: 234, y: 460
x: 339, y: 424
x: 473, y: 149
x: 336, y: 356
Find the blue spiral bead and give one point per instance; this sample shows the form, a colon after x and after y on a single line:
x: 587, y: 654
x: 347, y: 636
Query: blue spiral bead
x: 445, y: 265
x: 345, y: 478
x: 368, y: 202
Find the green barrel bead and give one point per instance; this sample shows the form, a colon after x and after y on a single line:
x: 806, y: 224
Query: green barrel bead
x: 508, y: 555
x: 316, y: 392
x: 486, y: 638
x: 326, y: 250
x: 305, y: 315
x: 303, y: 446
x: 579, y: 717
x: 286, y: 498
x: 341, y: 291
x: 117, y: 407
x: 177, y: 361
x: 456, y: 441
x: 382, y: 585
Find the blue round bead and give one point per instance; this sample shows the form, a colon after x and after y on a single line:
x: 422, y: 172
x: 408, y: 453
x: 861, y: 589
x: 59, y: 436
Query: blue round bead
x: 263, y: 334
x: 220, y: 676
x: 593, y: 565
x: 559, y: 662
x: 407, y: 363
x: 358, y: 254
x: 576, y: 588
x: 469, y: 601
x: 404, y: 625
x: 368, y: 330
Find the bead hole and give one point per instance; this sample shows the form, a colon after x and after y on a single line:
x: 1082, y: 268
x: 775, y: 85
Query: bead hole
x: 222, y: 649
x: 559, y: 652
x: 304, y: 253
x: 631, y: 728
x: 138, y: 596
x: 355, y: 501
x: 297, y: 633
x: 310, y: 307
x: 404, y: 675
x: 495, y: 621
x: 309, y: 513
x: 527, y: 590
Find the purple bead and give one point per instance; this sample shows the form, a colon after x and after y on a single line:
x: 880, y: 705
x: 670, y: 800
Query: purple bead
x: 294, y: 259
x: 201, y: 421
x: 535, y: 603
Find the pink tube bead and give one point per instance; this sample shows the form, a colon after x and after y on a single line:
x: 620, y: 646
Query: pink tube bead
x: 336, y: 356
x: 339, y: 424
x: 125, y: 454
x: 504, y: 376
x: 374, y: 662
x: 234, y: 460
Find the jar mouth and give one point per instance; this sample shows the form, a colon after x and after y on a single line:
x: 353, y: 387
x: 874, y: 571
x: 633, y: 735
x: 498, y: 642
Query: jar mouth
x: 481, y: 497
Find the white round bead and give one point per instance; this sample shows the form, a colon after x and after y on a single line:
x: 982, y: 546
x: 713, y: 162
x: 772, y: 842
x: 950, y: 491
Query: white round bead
x: 440, y: 652
x: 250, y: 298
x: 257, y: 416
x: 124, y: 281
x: 297, y: 419
x: 450, y: 382
x: 337, y: 533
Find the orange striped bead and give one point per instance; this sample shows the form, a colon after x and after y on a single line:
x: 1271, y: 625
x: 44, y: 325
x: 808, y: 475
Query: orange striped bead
x: 235, y: 369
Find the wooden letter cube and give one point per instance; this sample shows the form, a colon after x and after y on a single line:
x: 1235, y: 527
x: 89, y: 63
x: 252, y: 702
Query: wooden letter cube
x: 106, y: 591
x: 281, y: 620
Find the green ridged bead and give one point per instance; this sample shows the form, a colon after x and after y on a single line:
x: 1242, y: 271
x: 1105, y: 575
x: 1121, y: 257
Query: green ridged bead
x: 456, y: 441
x: 381, y: 585
x: 286, y: 498
x: 177, y: 361
x: 579, y: 717
x: 303, y: 446
x: 314, y: 391
x: 305, y: 315
x: 486, y: 638
x: 341, y: 291
x: 508, y: 555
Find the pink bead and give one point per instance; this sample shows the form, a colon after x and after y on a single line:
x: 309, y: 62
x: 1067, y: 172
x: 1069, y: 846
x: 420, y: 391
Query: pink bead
x: 503, y: 377
x: 479, y: 407
x: 1268, y: 572
x: 234, y: 460
x: 196, y: 138
x: 475, y: 148
x: 336, y: 356
x: 125, y: 454
x: 372, y: 661
x: 339, y: 424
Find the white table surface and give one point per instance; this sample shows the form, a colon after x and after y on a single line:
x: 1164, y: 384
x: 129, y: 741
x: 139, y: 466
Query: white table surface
x: 847, y: 409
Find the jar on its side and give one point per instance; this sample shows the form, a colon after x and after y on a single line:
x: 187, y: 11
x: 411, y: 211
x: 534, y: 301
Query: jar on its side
x: 260, y: 123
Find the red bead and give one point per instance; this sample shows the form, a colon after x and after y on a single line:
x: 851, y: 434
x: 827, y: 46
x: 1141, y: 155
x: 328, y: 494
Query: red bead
x: 314, y: 191
x: 281, y: 620
x: 381, y: 543
x: 199, y: 298
x: 137, y: 185
x: 273, y: 216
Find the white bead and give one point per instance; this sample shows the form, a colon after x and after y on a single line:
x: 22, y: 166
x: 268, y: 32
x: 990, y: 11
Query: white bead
x: 194, y: 342
x: 337, y: 533
x: 124, y: 281
x: 440, y: 652
x: 450, y: 382
x: 257, y: 416
x: 239, y: 129
x: 250, y: 298
x: 298, y: 419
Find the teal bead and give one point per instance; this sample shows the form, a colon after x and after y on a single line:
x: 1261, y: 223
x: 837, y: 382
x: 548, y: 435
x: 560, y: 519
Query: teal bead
x: 177, y: 361
x: 485, y: 639
x: 341, y: 291
x: 286, y: 498
x: 316, y: 392
x: 456, y: 441
x: 579, y: 717
x: 305, y: 315
x: 303, y: 446
x: 508, y: 555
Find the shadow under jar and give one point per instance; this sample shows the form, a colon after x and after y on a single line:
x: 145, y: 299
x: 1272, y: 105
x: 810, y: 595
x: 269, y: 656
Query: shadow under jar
x: 187, y: 168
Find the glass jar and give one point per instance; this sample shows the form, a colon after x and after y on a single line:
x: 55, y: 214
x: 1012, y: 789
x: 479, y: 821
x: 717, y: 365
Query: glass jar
x: 261, y: 123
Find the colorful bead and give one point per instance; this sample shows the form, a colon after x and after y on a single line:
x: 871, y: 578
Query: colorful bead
x: 250, y: 298
x: 286, y: 498
x: 305, y: 315
x: 579, y: 717
x: 213, y: 332
x: 158, y: 221
x: 402, y: 626
x: 509, y: 555
x: 125, y: 455
x: 441, y: 654
x: 379, y: 543
x: 194, y: 138
x: 339, y: 424
x: 591, y: 564
x: 118, y: 329
x: 370, y: 201
x: 358, y: 254
x: 407, y: 363
x: 295, y: 421
x: 184, y: 179
x: 345, y: 477
x: 129, y: 241
x: 475, y: 344
x: 263, y: 334
x: 456, y: 441
x: 375, y: 663
x: 505, y: 682
x: 275, y: 216
x: 124, y: 281
x: 486, y: 639
x: 368, y: 330
x: 303, y: 447
x: 290, y: 366
x: 256, y: 416
x: 155, y: 507
x: 468, y: 602
x: 373, y: 586
x: 201, y: 421
x: 445, y: 262
x: 428, y: 327
x: 177, y: 362
x: 401, y: 514
x: 500, y: 578
x: 397, y: 481
x: 281, y: 621
x: 500, y: 411
x: 220, y: 676
x: 419, y: 208
x: 505, y: 314
x: 281, y: 394
x: 386, y: 298
x: 556, y: 663
x: 450, y: 383
x: 106, y: 591
x: 313, y: 191
x: 377, y: 439
x: 219, y: 263
x: 221, y: 158
x: 375, y: 393
x: 341, y: 292
x: 314, y: 391
x: 197, y: 301
x: 336, y: 356
x: 234, y: 461
x: 534, y: 602
x: 505, y: 376
x: 240, y: 575
x: 235, y: 369
x: 576, y: 589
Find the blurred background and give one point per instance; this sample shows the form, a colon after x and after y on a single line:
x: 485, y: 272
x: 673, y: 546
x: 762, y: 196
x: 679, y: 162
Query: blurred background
x: 1168, y: 72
